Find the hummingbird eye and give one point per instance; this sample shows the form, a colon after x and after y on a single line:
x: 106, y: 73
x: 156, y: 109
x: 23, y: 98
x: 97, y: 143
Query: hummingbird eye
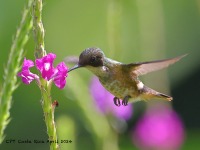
x: 93, y: 59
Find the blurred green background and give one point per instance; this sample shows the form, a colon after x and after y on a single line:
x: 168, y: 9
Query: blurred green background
x: 139, y: 31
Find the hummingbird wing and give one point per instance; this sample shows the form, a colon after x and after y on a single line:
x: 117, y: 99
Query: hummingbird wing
x: 71, y: 60
x: 150, y: 66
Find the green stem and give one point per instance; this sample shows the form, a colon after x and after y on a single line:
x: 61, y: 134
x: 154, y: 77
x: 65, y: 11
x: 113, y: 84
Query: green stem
x: 38, y: 29
x: 114, y: 17
x: 13, y: 67
x: 104, y: 137
x: 114, y: 26
x: 152, y: 39
x: 45, y: 87
x: 48, y: 110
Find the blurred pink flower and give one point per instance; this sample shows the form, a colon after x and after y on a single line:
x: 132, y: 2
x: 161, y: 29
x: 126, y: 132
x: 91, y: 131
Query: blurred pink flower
x: 104, y: 101
x: 27, y: 76
x: 159, y: 129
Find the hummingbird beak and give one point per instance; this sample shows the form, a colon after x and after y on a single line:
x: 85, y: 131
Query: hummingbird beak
x: 75, y: 67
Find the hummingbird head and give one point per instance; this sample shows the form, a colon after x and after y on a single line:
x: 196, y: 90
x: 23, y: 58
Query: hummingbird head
x: 90, y: 57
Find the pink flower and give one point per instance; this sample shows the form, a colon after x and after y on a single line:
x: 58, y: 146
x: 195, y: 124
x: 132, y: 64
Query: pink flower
x: 104, y: 101
x: 45, y: 66
x: 60, y: 75
x: 27, y: 76
x: 159, y: 128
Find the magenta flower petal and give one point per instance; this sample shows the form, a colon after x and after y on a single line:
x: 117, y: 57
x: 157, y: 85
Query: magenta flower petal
x: 104, y: 101
x: 27, y: 76
x: 60, y: 75
x: 159, y: 128
x: 27, y: 64
x: 45, y: 66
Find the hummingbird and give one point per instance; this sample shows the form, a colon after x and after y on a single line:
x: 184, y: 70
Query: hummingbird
x: 121, y: 79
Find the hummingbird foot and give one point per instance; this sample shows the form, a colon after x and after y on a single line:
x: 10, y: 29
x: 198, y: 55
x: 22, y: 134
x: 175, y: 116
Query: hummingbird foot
x: 125, y: 100
x: 116, y: 101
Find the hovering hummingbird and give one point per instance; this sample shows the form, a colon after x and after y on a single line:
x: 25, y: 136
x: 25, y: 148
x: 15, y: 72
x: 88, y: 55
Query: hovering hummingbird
x: 122, y: 79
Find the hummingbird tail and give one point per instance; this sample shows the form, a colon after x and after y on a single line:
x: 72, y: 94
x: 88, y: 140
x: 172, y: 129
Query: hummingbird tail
x: 164, y: 96
x: 149, y: 93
